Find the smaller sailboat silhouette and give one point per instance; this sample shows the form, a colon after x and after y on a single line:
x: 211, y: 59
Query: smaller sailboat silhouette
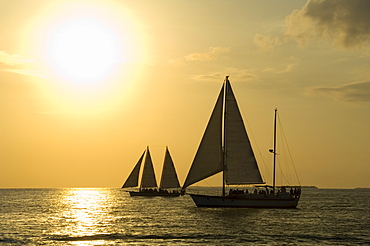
x: 148, y: 185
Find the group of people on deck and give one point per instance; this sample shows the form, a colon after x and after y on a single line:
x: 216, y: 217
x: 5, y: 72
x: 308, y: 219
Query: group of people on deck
x: 296, y: 192
x: 157, y: 191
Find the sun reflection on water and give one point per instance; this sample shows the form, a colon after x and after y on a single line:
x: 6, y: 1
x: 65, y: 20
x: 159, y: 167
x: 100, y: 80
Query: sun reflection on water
x: 85, y: 212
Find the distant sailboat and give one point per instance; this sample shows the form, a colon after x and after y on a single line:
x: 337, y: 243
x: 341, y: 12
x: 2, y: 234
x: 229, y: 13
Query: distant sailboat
x: 148, y: 185
x: 225, y: 147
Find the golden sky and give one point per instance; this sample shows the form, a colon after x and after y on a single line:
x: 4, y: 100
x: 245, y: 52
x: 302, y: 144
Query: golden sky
x: 85, y: 86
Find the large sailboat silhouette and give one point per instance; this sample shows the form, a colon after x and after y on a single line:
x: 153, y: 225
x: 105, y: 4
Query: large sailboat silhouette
x: 225, y: 147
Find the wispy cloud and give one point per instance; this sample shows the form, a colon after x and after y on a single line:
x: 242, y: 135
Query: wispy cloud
x: 240, y: 75
x: 28, y: 72
x: 353, y: 92
x: 12, y: 60
x: 346, y: 23
x: 213, y: 54
x: 288, y: 66
x: 15, y: 63
x: 266, y: 43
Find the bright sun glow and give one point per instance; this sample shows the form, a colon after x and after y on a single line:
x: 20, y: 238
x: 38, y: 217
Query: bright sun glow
x: 83, y: 50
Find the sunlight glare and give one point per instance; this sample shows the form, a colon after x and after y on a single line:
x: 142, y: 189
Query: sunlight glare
x: 84, y: 209
x: 83, y: 50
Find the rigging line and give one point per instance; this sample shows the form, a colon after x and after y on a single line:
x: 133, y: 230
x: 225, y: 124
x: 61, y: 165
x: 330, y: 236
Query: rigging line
x: 290, y: 155
x: 282, y: 175
x: 284, y: 163
x: 207, y: 185
x: 284, y: 159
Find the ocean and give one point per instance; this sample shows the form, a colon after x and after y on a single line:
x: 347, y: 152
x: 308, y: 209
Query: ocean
x: 109, y: 216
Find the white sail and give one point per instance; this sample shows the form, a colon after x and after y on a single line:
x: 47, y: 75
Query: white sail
x: 148, y: 178
x: 169, y: 177
x: 133, y: 178
x: 240, y: 162
x: 208, y: 159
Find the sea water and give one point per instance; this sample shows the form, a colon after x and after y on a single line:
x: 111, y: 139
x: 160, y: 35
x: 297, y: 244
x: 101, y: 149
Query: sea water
x: 111, y: 217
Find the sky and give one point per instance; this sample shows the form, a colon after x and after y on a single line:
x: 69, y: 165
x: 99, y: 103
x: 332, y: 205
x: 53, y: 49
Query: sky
x: 85, y: 86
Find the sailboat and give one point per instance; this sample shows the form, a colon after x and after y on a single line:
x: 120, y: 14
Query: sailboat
x: 225, y: 147
x: 148, y: 185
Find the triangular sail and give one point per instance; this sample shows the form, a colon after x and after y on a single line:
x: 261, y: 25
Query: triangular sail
x: 241, y: 165
x: 169, y: 177
x: 148, y: 178
x: 133, y: 178
x: 208, y: 159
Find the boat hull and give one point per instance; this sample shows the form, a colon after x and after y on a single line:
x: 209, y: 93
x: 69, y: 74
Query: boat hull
x: 139, y: 193
x: 245, y: 202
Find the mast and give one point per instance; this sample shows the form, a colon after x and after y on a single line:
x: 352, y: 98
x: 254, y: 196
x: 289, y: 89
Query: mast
x: 274, y: 151
x: 224, y: 144
x: 142, y: 175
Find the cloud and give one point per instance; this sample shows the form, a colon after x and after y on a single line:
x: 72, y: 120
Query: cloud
x: 213, y: 54
x: 353, y: 92
x: 17, y: 64
x: 266, y: 43
x: 235, y: 73
x: 12, y: 60
x: 177, y: 62
x: 29, y: 72
x: 216, y: 76
x: 289, y: 66
x: 346, y: 23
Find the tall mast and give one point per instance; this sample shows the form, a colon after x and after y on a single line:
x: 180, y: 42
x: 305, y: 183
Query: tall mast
x: 224, y: 144
x: 142, y: 174
x: 274, y: 151
x: 141, y: 182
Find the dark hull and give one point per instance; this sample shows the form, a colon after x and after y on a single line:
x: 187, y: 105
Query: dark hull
x: 140, y: 193
x: 251, y: 201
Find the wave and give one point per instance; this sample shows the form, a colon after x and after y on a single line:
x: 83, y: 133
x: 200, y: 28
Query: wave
x: 117, y: 236
x: 206, y: 238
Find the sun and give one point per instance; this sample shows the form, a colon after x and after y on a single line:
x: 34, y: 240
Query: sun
x: 83, y: 50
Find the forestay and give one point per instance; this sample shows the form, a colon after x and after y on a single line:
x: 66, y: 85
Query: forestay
x: 208, y: 159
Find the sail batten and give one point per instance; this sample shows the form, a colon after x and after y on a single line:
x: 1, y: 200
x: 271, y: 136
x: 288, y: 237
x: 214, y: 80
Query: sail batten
x: 169, y: 177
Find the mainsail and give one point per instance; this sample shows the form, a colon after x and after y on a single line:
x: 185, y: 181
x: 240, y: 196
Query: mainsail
x: 235, y: 156
x: 241, y: 165
x: 148, y: 179
x: 169, y: 177
x: 133, y: 178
